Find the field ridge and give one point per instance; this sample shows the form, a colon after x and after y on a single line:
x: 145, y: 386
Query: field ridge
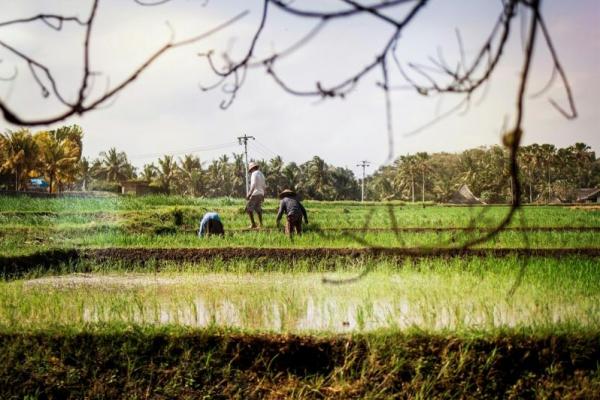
x: 135, y: 363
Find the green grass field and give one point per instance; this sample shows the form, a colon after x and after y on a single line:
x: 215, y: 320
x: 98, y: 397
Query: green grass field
x: 29, y: 225
x: 238, y: 325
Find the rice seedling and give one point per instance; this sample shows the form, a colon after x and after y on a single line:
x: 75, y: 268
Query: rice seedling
x: 456, y: 295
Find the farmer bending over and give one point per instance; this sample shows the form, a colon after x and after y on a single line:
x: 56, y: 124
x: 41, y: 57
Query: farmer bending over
x: 294, y: 210
x: 211, y: 225
x: 256, y: 194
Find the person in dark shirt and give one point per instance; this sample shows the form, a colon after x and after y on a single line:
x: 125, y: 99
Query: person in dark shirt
x: 294, y: 211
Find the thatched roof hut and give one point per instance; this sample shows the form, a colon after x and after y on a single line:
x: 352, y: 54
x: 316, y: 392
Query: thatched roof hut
x: 588, y: 195
x: 464, y: 196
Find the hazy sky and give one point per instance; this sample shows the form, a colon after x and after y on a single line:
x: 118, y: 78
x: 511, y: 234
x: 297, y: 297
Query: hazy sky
x: 165, y: 110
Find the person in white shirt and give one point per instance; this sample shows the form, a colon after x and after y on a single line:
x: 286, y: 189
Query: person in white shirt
x: 256, y: 194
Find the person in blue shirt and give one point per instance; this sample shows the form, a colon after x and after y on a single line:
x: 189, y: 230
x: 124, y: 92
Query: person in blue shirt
x: 211, y: 224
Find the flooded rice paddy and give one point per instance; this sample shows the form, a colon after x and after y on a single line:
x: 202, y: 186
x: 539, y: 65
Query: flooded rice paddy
x: 300, y: 302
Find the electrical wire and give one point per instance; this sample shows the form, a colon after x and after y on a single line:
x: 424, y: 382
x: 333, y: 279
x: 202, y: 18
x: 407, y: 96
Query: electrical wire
x: 258, y: 150
x: 189, y: 150
x: 258, y: 142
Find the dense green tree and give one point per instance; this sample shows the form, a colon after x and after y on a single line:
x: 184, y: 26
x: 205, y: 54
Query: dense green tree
x: 407, y: 173
x: 59, y: 155
x: 423, y: 168
x: 20, y: 155
x: 292, y: 176
x: 345, y: 185
x: 166, y: 173
x: 85, y: 173
x: 275, y: 177
x: 190, y: 177
x: 149, y: 172
x: 546, y: 172
x: 380, y: 186
x: 445, y: 175
x: 114, y: 166
x: 316, y: 179
x: 238, y: 175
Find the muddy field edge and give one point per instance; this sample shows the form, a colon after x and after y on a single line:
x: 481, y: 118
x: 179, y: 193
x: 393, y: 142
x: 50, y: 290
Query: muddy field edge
x: 49, y: 259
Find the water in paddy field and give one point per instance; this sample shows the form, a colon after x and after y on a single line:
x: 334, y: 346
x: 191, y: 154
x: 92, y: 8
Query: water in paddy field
x: 283, y: 302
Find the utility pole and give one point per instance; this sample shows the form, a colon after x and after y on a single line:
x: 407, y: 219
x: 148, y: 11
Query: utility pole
x: 244, y: 140
x: 364, y: 164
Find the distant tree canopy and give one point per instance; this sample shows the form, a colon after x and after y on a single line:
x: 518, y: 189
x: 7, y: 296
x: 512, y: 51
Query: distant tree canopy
x: 53, y: 155
x: 547, y: 172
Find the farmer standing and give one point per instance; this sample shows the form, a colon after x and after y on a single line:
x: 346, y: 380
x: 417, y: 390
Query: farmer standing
x: 256, y: 194
x: 294, y: 211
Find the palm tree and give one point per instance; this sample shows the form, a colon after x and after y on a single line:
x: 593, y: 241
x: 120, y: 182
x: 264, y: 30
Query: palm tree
x: 239, y: 175
x: 422, y: 166
x: 292, y: 176
x: 380, y: 184
x: 218, y: 176
x: 60, y: 152
x: 317, y: 176
x: 85, y: 173
x: 225, y: 175
x: 276, y: 181
x: 167, y: 168
x: 548, y: 157
x: 445, y: 175
x: 583, y: 158
x: 408, y: 170
x: 527, y: 163
x: 190, y: 171
x: 20, y: 155
x: 115, y: 166
x: 344, y: 184
x: 149, y: 172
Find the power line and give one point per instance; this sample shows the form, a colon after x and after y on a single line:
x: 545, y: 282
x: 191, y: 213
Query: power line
x: 244, y: 140
x: 197, y: 149
x: 258, y: 142
x: 260, y: 151
x: 364, y: 164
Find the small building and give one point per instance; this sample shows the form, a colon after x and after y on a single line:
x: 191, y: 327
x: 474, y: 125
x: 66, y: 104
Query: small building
x: 588, y: 195
x: 464, y: 196
x: 135, y: 187
x: 37, y: 185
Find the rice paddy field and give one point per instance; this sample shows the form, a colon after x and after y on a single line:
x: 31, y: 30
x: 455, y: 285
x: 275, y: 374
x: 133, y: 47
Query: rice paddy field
x: 118, y: 298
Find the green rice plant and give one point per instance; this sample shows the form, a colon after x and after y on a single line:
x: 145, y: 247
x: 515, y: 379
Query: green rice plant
x: 433, y: 295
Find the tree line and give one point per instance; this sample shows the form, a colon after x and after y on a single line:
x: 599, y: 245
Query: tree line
x: 56, y: 156
x: 52, y: 154
x: 547, y: 172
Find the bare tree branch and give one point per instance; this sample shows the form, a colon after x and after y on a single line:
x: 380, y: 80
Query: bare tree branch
x: 438, y: 76
x: 54, y: 21
x: 83, y: 103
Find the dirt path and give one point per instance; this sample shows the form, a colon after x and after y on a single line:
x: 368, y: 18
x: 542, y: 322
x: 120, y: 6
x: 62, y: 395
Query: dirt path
x: 46, y: 260
x: 196, y: 254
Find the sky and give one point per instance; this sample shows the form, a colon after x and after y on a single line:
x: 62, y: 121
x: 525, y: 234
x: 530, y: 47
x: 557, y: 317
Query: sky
x: 165, y: 110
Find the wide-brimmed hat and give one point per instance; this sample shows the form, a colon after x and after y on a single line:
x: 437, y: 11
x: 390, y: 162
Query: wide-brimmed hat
x: 252, y: 165
x: 287, y: 192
